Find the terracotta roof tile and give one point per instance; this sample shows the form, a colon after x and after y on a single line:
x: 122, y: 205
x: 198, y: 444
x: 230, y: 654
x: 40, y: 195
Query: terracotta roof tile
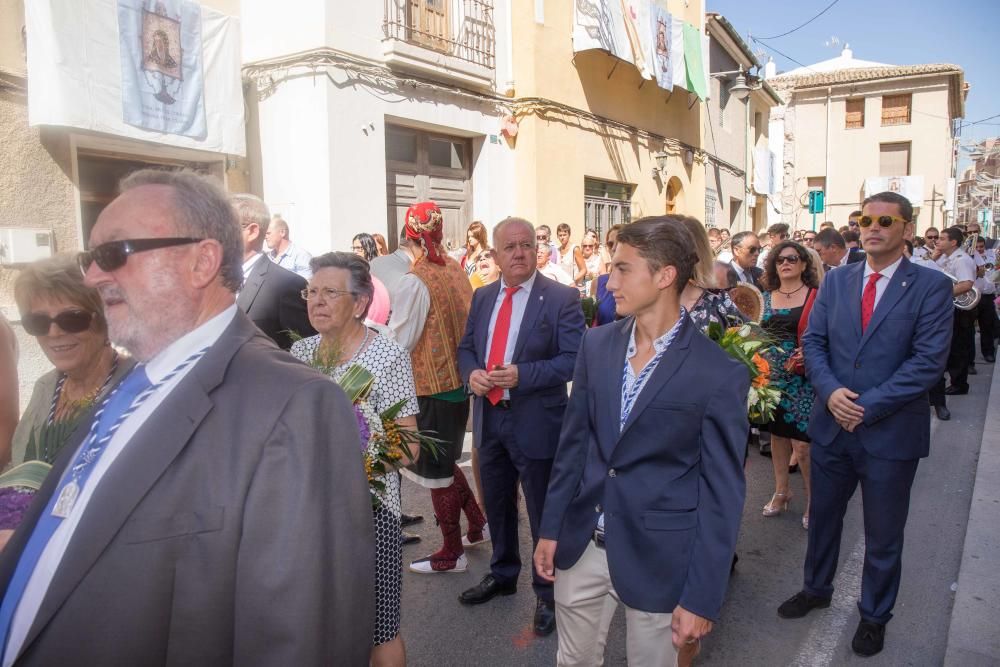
x: 857, y: 75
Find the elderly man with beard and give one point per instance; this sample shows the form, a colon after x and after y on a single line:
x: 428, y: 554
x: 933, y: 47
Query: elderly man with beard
x: 167, y: 529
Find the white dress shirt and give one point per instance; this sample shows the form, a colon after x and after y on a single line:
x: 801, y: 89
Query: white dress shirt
x: 882, y: 282
x: 518, y: 305
x: 411, y: 303
x: 556, y: 273
x: 48, y: 562
x: 249, y: 264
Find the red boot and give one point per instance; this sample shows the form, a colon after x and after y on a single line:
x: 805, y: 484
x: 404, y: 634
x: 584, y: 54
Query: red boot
x: 478, y: 532
x: 451, y: 556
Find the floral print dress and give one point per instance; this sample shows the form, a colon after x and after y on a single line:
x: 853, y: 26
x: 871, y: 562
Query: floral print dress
x: 791, y: 417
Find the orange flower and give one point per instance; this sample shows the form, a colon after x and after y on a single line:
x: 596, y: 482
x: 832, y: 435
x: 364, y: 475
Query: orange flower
x: 763, y: 371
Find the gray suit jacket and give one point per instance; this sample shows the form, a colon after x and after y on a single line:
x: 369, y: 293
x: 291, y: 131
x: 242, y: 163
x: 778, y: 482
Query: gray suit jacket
x: 235, y: 528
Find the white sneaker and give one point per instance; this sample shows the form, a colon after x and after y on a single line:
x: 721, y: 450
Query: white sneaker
x: 424, y: 566
x: 486, y: 538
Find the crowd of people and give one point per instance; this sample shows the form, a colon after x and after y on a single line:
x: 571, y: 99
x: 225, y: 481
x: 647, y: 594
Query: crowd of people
x: 188, y: 484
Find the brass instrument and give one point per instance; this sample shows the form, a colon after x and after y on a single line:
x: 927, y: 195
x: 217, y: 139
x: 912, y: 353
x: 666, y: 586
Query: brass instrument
x: 725, y: 245
x: 967, y: 300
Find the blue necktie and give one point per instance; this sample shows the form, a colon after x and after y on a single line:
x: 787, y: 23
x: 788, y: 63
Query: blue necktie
x: 125, y: 399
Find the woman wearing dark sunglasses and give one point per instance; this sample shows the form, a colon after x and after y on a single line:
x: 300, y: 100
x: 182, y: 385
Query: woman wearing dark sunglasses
x: 791, y: 280
x: 66, y: 318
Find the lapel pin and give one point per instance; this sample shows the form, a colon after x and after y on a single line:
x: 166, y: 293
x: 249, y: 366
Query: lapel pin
x: 541, y: 297
x: 904, y: 283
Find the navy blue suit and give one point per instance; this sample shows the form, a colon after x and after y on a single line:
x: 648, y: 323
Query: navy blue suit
x: 670, y: 483
x: 517, y: 443
x: 891, y: 365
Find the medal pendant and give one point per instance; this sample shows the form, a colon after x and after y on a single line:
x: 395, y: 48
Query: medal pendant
x: 66, y: 500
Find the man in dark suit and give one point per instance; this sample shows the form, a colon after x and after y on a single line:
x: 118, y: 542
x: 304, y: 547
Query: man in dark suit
x: 832, y: 249
x: 516, y: 356
x: 877, y: 341
x: 746, y: 249
x: 647, y: 486
x: 271, y: 295
x: 165, y: 532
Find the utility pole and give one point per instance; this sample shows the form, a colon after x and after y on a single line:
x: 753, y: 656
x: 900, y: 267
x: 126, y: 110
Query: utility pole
x: 933, y: 202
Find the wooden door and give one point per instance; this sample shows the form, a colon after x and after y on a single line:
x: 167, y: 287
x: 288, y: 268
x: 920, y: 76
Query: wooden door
x: 422, y: 166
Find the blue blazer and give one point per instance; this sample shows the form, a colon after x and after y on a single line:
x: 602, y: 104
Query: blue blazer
x: 892, y: 365
x: 544, y: 353
x: 670, y: 483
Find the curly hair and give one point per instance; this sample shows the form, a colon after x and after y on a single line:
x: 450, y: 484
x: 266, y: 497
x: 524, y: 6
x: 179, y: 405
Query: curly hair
x: 809, y: 276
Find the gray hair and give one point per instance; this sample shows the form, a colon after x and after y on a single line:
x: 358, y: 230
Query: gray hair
x: 509, y: 221
x: 202, y: 211
x: 279, y: 223
x: 359, y: 279
x: 251, y: 209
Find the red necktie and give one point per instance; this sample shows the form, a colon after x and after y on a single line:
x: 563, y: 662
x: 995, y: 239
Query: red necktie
x: 498, y: 348
x: 868, y: 300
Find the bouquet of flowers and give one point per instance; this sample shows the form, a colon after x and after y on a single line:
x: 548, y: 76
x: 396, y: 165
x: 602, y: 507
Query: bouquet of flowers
x: 385, y: 445
x: 743, y: 344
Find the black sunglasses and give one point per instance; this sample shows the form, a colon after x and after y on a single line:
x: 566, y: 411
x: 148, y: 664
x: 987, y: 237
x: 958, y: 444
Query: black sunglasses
x: 112, y: 255
x: 884, y: 221
x: 70, y: 321
x: 790, y: 259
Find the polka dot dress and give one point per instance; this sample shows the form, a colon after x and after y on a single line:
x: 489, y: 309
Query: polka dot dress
x: 390, y: 365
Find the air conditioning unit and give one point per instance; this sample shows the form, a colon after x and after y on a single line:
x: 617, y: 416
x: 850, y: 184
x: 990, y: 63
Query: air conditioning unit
x: 22, y: 245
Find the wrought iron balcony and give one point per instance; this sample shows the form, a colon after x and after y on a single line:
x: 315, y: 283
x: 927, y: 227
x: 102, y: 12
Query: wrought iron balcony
x: 461, y: 29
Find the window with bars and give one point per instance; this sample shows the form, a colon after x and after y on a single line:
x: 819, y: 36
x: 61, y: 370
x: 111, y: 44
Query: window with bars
x: 711, y: 202
x: 854, y: 117
x: 606, y: 204
x: 896, y: 109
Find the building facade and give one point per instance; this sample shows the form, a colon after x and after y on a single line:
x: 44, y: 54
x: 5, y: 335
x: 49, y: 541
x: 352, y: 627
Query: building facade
x: 854, y: 127
x: 356, y: 114
x: 738, y: 183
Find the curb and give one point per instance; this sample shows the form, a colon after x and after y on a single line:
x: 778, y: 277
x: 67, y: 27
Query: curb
x: 973, y: 639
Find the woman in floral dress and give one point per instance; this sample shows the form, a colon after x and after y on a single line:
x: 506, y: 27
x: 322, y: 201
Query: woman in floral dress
x: 339, y: 294
x: 791, y: 278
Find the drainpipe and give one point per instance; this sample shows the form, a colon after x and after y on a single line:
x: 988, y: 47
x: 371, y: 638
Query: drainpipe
x: 826, y: 185
x: 747, y: 177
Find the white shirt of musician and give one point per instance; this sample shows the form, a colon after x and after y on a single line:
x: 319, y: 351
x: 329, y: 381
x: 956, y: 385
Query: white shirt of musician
x: 48, y: 562
x: 960, y: 265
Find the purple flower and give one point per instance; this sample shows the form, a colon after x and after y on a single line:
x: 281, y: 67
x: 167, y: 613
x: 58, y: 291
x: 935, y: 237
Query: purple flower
x: 14, y: 502
x: 363, y: 429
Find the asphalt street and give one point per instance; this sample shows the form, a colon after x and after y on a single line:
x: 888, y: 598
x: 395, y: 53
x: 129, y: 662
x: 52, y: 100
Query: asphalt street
x: 439, y: 631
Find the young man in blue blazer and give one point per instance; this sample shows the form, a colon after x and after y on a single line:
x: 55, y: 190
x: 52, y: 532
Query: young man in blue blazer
x: 647, y: 485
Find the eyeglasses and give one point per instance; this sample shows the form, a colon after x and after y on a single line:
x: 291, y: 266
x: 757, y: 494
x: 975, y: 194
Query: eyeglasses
x: 753, y: 250
x: 70, y: 321
x: 541, y: 237
x: 808, y: 238
x: 789, y: 259
x: 588, y: 245
x: 112, y: 255
x: 884, y: 221
x: 928, y: 237
x: 326, y: 294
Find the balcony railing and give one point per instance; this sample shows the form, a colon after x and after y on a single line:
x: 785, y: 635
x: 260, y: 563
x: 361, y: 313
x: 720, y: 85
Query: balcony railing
x: 462, y: 29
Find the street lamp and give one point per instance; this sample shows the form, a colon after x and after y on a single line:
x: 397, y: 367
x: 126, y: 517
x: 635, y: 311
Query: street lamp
x: 738, y: 88
x: 660, y: 157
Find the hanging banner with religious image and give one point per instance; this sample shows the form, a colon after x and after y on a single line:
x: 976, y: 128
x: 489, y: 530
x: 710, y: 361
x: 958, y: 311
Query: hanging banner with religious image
x: 911, y: 187
x: 162, y: 84
x: 163, y: 71
x: 643, y: 33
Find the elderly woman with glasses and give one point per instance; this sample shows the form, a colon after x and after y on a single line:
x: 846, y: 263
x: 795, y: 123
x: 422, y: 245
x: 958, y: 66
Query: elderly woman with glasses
x: 66, y: 318
x: 338, y: 296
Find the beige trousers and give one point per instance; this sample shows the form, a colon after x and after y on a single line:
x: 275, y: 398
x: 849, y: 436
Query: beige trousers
x: 585, y: 603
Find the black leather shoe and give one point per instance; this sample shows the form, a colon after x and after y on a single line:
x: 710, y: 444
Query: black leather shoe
x: 801, y: 604
x: 408, y: 520
x: 408, y: 538
x: 952, y: 390
x: 486, y: 590
x: 545, y: 618
x: 989, y: 358
x: 868, y: 639
x: 943, y: 413
x: 765, y: 448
